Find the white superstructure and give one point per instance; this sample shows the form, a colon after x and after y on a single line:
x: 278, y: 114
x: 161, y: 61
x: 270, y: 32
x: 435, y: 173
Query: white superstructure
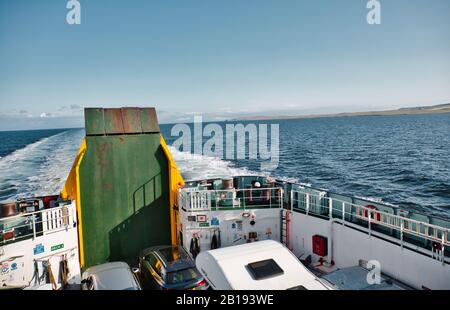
x: 232, y: 226
x: 40, y: 250
x: 326, y: 231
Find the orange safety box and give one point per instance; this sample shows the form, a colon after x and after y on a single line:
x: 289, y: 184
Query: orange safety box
x: 320, y: 245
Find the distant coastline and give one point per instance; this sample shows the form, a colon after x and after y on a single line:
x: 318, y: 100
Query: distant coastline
x: 435, y: 109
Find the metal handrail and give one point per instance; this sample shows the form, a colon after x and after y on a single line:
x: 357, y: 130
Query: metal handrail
x: 203, y: 198
x: 54, y: 223
x: 388, y: 220
x: 31, y: 213
x: 193, y: 189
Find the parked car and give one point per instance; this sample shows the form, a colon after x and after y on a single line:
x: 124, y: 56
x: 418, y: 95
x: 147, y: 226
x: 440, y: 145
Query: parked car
x: 262, y: 265
x: 110, y: 276
x: 169, y: 268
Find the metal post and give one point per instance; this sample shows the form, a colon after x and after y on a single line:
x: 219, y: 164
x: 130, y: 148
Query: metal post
x: 34, y: 227
x: 443, y: 247
x: 330, y: 208
x: 369, y: 218
x: 217, y: 200
x: 401, y: 233
x: 343, y: 213
x: 270, y: 200
x: 307, y: 204
x: 292, y: 199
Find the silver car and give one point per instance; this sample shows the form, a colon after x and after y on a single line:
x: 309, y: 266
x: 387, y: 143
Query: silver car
x: 110, y: 276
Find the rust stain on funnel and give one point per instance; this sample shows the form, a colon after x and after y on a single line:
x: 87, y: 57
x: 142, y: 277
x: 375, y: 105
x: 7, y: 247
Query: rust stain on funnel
x: 131, y: 120
x: 113, y: 121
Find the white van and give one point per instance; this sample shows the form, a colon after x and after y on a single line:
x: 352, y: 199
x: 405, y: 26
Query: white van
x: 261, y: 265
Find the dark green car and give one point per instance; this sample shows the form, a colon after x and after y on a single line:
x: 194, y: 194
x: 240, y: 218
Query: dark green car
x: 169, y: 268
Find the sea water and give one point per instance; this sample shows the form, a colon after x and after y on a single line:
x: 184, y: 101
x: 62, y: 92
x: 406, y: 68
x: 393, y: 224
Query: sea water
x: 403, y: 160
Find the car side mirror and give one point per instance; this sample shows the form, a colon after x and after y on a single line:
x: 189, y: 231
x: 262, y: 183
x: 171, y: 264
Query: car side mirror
x: 135, y: 270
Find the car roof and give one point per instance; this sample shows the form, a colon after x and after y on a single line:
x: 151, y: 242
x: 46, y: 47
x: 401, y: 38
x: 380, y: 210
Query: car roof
x: 232, y: 267
x: 168, y: 254
x: 155, y: 248
x: 106, y: 266
x: 163, y: 254
x: 112, y: 276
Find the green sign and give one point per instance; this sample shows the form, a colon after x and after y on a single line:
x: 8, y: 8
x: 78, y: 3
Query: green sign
x: 57, y: 247
x: 203, y: 224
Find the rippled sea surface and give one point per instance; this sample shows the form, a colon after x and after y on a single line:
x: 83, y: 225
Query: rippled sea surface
x: 404, y: 160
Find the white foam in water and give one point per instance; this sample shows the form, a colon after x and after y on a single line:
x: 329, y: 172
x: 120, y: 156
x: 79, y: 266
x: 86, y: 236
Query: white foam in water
x: 197, y: 167
x: 40, y: 168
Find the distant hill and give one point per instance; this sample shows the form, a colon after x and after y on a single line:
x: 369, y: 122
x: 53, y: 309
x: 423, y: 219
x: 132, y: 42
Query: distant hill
x: 435, y: 109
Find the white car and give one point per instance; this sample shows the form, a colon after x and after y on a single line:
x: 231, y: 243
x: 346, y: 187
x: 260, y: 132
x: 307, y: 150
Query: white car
x: 261, y: 265
x: 110, y: 276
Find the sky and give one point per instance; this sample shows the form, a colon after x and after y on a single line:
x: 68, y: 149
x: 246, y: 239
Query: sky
x: 219, y: 57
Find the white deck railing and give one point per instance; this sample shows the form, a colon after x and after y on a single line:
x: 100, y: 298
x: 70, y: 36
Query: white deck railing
x: 347, y: 212
x: 192, y: 199
x: 33, y: 224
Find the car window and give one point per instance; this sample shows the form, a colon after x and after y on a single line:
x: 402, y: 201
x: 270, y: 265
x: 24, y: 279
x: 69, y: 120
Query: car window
x: 182, y: 276
x: 155, y: 263
x: 115, y: 279
x: 174, y: 253
x: 159, y: 267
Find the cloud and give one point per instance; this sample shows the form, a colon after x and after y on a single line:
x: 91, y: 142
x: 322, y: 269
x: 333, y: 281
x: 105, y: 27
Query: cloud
x: 23, y: 112
x: 75, y: 107
x: 16, y: 122
x: 45, y: 114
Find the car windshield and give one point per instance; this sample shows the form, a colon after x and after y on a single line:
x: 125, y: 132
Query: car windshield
x: 115, y: 279
x: 172, y: 254
x: 182, y: 276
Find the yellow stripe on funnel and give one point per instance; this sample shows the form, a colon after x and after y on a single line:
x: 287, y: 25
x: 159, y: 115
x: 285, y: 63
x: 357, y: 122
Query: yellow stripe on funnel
x: 175, y: 182
x: 71, y: 191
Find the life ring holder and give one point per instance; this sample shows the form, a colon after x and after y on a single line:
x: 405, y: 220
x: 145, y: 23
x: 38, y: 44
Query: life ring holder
x: 374, y: 218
